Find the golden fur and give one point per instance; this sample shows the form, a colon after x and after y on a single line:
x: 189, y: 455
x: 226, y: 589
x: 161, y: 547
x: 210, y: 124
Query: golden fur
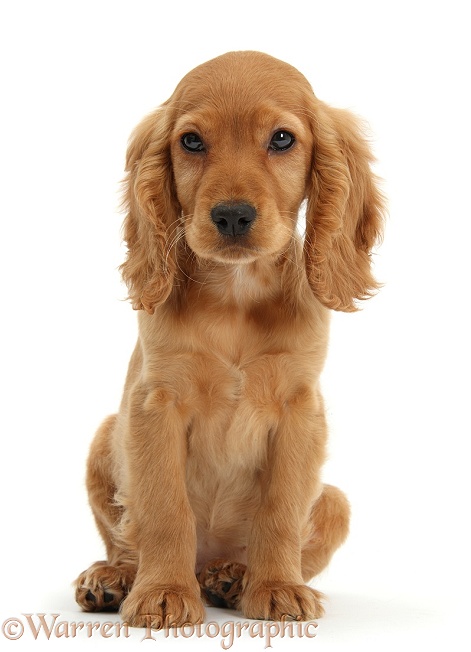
x: 208, y: 480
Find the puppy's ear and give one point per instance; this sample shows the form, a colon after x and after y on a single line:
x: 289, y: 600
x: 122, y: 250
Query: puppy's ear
x: 152, y: 213
x: 344, y: 214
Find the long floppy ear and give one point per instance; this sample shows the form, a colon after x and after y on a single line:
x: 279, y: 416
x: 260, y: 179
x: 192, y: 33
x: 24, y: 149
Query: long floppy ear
x: 344, y: 215
x: 152, y: 213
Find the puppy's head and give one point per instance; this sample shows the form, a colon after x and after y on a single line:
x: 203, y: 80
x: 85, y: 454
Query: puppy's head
x: 226, y: 163
x: 241, y: 155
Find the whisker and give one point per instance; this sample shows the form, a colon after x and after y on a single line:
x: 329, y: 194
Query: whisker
x: 204, y: 282
x: 177, y: 235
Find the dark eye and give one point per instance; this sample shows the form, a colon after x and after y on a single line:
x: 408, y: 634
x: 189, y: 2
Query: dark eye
x: 192, y: 143
x: 281, y: 140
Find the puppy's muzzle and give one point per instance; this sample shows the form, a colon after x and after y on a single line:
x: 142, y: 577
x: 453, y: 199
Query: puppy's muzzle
x: 233, y: 219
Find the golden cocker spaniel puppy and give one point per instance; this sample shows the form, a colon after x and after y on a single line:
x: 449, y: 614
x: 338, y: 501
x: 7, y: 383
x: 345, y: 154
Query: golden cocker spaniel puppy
x: 207, y: 483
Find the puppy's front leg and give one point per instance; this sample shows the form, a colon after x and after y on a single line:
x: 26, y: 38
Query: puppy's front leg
x: 161, y: 522
x: 273, y: 583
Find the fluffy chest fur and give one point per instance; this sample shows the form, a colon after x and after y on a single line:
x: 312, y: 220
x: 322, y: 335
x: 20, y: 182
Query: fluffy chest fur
x: 231, y: 367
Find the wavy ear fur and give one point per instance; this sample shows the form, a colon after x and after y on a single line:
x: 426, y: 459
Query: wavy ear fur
x: 152, y: 213
x: 344, y: 212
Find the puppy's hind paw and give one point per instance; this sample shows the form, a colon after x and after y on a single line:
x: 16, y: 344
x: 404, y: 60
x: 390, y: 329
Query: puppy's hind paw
x: 221, y: 583
x: 103, y: 587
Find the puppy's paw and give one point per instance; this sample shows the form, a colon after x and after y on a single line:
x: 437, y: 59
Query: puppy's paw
x: 162, y: 606
x: 278, y: 601
x: 221, y: 583
x: 103, y: 587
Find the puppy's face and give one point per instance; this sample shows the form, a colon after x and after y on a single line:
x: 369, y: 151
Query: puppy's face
x: 241, y: 151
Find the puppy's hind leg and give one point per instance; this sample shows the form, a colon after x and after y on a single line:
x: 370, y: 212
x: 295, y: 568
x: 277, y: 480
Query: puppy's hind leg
x: 221, y: 580
x: 104, y: 585
x: 330, y: 524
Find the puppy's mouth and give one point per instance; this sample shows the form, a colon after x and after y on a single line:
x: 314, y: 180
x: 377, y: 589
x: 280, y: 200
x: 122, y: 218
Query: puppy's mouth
x: 236, y: 249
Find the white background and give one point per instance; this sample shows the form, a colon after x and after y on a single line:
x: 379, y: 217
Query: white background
x: 75, y: 79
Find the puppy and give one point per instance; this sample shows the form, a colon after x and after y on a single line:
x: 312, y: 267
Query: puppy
x: 207, y: 483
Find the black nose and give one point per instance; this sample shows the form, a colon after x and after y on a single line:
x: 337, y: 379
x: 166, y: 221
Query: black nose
x: 233, y: 219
